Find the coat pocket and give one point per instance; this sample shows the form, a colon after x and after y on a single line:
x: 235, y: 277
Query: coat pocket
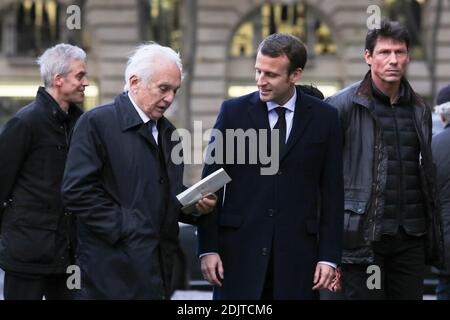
x: 32, y: 238
x: 353, y: 224
x: 128, y: 226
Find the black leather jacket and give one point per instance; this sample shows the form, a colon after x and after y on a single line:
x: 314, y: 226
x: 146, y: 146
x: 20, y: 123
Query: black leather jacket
x: 365, y: 172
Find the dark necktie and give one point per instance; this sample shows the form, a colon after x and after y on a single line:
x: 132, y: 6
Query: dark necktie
x: 281, y: 126
x: 150, y: 125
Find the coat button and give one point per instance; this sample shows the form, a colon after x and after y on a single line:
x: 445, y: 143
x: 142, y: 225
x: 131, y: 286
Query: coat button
x: 264, y: 251
x: 5, y: 204
x: 271, y: 212
x: 161, y: 180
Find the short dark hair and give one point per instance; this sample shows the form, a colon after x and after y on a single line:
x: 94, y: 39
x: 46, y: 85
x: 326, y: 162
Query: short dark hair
x: 279, y: 44
x: 388, y: 29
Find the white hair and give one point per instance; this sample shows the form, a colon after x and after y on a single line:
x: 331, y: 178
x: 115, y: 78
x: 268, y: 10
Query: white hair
x: 141, y: 62
x: 57, y: 60
x: 443, y: 109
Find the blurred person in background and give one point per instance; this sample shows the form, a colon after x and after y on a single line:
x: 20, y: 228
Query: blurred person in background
x: 441, y: 154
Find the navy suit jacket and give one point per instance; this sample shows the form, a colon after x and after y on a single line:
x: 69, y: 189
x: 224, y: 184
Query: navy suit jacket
x: 295, y: 215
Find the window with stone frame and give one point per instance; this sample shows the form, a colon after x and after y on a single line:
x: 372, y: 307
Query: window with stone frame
x: 29, y: 27
x: 297, y: 19
x: 408, y: 13
x: 159, y: 21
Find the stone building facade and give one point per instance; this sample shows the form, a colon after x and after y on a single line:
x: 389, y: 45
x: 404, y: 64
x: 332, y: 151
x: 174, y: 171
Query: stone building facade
x: 207, y: 32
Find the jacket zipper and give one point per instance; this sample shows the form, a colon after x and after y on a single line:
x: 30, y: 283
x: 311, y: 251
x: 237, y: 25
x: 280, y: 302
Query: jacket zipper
x: 377, y: 137
x: 400, y: 188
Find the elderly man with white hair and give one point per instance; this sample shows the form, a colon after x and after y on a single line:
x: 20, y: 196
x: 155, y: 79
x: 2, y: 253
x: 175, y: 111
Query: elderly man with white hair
x: 121, y: 184
x: 35, y: 244
x: 441, y: 154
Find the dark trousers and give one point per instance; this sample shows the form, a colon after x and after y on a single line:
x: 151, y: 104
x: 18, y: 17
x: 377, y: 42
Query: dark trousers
x: 19, y: 286
x: 401, y: 259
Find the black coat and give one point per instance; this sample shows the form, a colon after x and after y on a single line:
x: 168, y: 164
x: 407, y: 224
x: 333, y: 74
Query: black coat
x: 441, y: 153
x: 33, y: 149
x: 264, y: 215
x: 112, y: 184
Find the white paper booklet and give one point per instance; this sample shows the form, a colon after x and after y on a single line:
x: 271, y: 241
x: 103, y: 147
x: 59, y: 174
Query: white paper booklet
x: 209, y: 184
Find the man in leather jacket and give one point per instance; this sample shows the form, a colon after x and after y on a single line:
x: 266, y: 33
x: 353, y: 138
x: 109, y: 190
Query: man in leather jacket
x: 391, y: 218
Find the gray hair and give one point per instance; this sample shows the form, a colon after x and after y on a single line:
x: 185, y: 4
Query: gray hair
x: 57, y: 60
x: 143, y: 58
x: 443, y: 109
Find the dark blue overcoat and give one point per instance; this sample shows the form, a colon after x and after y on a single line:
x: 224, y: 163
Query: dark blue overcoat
x: 127, y: 232
x: 295, y: 215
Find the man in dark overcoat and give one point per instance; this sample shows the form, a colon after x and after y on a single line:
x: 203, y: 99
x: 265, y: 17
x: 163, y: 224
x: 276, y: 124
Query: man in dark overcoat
x: 121, y: 184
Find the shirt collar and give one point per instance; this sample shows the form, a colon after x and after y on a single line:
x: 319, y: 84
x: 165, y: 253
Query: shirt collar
x: 290, y: 105
x: 141, y: 113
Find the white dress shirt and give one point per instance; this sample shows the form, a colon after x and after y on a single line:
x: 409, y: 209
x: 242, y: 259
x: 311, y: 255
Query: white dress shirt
x: 145, y: 118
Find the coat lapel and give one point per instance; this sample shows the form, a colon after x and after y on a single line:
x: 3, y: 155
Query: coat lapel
x: 145, y: 133
x: 258, y: 113
x: 260, y: 117
x: 129, y: 118
x: 165, y: 132
x: 302, y: 117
